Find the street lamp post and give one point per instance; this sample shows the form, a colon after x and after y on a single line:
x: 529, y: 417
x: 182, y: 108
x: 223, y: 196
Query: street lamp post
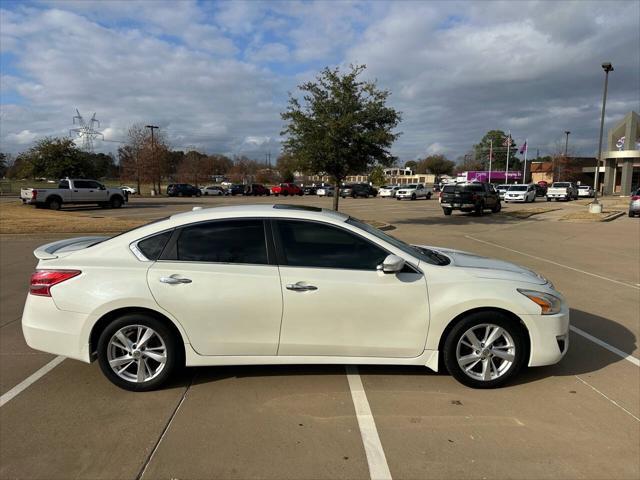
x: 596, y: 207
x: 566, y: 149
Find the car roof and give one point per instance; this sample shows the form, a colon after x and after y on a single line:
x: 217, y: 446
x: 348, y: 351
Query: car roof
x: 269, y: 210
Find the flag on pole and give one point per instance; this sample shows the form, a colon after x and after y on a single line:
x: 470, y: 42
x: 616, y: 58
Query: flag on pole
x: 507, y: 141
x: 524, y: 147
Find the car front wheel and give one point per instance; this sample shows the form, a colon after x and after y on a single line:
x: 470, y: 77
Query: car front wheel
x: 447, y: 211
x: 485, y: 349
x: 138, y: 352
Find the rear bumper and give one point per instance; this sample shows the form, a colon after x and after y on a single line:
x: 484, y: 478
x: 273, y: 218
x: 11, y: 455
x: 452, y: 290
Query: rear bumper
x: 50, y: 330
x: 549, y: 335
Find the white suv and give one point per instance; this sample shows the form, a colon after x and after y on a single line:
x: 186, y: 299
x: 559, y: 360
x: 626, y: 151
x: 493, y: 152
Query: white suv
x: 520, y: 193
x: 414, y: 191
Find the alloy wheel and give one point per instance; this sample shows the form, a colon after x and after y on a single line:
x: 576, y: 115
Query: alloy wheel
x: 485, y: 352
x: 137, y: 353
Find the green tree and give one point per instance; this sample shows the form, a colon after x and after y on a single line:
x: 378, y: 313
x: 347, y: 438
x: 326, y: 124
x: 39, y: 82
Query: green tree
x: 342, y: 126
x: 436, y: 164
x: 412, y: 164
x: 377, y: 176
x: 53, y: 157
x: 499, y: 161
x: 3, y: 164
x: 287, y: 164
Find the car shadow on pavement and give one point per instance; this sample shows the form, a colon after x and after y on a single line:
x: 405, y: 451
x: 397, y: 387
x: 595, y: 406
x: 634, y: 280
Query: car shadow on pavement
x: 582, y: 358
x: 465, y: 219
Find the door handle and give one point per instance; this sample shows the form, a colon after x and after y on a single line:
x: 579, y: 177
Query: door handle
x: 301, y: 287
x: 174, y: 280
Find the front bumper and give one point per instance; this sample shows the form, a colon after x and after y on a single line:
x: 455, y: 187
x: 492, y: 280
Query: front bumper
x: 48, y: 329
x: 514, y: 199
x: 549, y: 336
x: 404, y: 195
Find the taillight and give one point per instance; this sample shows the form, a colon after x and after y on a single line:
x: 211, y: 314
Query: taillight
x: 440, y: 195
x: 34, y: 194
x: 635, y: 197
x: 43, y: 280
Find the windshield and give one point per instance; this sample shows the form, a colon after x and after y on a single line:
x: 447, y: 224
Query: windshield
x: 584, y: 187
x: 562, y: 184
x: 503, y: 187
x: 518, y: 188
x: 424, y: 254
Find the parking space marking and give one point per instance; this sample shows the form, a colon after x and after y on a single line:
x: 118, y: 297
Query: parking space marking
x: 625, y: 284
x: 611, y: 400
x: 376, y: 459
x: 30, y: 380
x: 603, y: 344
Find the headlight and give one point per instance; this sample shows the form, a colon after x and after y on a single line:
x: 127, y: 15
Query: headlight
x: 549, y: 304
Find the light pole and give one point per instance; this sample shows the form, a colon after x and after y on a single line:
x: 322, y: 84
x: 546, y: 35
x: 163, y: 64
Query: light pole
x: 566, y: 149
x: 596, y: 207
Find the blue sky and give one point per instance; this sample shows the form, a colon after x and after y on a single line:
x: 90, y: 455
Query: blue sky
x: 216, y: 75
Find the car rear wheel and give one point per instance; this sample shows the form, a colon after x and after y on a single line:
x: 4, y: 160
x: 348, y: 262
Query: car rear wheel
x: 447, y: 211
x: 138, y: 352
x: 54, y: 204
x: 485, y: 349
x: 479, y: 209
x: 497, y: 207
x: 413, y: 196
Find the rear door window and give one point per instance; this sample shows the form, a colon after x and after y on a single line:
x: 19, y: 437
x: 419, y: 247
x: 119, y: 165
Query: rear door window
x: 227, y: 241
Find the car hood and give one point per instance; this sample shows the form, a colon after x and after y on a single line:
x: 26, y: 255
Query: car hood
x: 483, y: 267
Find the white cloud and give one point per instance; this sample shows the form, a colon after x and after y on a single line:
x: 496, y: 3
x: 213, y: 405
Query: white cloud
x: 216, y: 75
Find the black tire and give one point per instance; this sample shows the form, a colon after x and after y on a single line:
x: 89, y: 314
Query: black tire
x: 429, y: 196
x: 413, y: 196
x: 534, y: 199
x: 479, y: 209
x: 447, y: 211
x: 198, y: 194
x: 116, y: 202
x: 631, y: 214
x: 285, y: 193
x: 474, y: 319
x: 497, y: 207
x: 548, y: 199
x: 174, y: 355
x: 54, y: 204
x: 398, y: 198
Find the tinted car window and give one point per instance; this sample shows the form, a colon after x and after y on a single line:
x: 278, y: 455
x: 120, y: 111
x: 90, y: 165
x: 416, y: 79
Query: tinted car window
x: 64, y: 185
x: 476, y: 188
x: 81, y: 184
x: 152, y: 247
x: 233, y: 241
x: 308, y: 244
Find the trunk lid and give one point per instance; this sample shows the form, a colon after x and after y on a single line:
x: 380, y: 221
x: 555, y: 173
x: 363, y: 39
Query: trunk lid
x: 62, y: 248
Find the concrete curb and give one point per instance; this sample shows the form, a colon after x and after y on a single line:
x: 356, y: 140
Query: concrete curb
x: 613, y: 216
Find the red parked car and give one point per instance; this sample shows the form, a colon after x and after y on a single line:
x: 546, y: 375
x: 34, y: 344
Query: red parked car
x: 286, y: 189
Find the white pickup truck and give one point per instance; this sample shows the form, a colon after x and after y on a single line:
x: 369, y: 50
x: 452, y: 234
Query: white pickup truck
x: 413, y: 191
x: 562, y: 191
x: 73, y: 191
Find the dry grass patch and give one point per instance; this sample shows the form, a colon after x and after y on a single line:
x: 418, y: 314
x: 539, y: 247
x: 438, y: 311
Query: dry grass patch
x: 586, y: 216
x: 529, y: 212
x: 18, y: 218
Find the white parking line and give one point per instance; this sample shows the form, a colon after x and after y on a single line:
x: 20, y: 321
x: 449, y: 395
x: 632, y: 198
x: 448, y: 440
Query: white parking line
x: 30, y: 380
x: 625, y: 284
x: 611, y: 348
x: 378, y: 468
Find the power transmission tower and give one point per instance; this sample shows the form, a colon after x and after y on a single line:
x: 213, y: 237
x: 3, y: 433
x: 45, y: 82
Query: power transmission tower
x: 86, y: 131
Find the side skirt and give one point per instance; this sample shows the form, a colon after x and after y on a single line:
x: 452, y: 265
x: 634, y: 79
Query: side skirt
x: 429, y: 359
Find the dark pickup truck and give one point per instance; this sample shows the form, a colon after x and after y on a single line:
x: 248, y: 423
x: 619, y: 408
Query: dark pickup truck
x: 469, y: 197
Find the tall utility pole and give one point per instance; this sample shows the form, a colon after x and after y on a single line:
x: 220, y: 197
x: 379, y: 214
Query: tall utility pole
x: 490, y: 157
x: 595, y: 207
x: 506, y: 172
x: 153, y: 157
x: 566, y: 150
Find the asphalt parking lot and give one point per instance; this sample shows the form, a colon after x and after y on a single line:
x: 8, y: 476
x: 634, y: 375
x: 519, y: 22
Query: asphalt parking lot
x: 577, y: 419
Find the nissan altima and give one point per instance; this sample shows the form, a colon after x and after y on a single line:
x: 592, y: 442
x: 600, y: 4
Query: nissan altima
x: 265, y: 284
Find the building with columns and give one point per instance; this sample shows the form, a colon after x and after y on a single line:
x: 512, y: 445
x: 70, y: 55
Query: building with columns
x: 621, y: 160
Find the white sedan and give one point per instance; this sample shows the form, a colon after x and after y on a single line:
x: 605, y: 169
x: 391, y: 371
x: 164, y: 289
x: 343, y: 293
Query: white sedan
x: 388, y: 191
x: 414, y: 191
x: 213, y: 190
x: 265, y: 284
x: 520, y: 193
x: 128, y: 190
x: 585, y: 191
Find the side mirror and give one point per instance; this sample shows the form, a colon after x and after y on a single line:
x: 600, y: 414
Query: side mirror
x: 102, y: 187
x: 391, y: 264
